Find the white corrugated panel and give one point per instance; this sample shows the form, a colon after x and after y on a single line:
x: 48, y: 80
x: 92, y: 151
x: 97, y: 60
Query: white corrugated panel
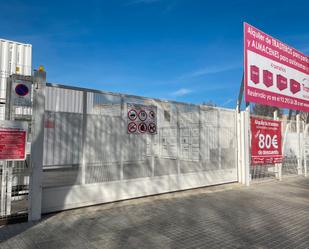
x: 15, y: 58
x: 2, y: 112
x: 63, y: 100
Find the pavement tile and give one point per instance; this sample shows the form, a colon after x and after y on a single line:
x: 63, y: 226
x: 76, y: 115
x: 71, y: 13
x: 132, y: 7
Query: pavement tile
x: 265, y: 215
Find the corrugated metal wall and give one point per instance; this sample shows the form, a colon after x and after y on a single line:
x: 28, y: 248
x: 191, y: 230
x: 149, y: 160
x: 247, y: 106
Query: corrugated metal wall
x: 15, y: 58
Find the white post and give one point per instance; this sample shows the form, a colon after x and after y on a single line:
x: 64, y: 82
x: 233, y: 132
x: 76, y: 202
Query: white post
x: 244, y: 170
x: 278, y: 166
x: 299, y: 161
x: 247, y: 146
x: 306, y: 149
x: 37, y: 143
x: 9, y: 187
x: 302, y: 146
x: 3, y: 189
x: 305, y: 165
x: 239, y: 145
x: 84, y: 129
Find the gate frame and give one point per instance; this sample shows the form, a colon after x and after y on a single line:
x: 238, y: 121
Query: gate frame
x: 243, y: 142
x: 37, y: 143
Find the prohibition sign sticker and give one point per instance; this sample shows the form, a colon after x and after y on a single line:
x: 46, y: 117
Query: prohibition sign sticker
x: 142, y: 127
x: 132, y: 114
x: 142, y: 115
x: 21, y: 90
x: 152, y: 115
x: 152, y: 128
x: 132, y: 127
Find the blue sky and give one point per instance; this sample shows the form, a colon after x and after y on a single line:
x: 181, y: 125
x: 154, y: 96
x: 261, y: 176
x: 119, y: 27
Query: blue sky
x: 184, y: 50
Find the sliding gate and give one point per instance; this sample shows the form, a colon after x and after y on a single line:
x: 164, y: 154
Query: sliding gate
x: 90, y: 158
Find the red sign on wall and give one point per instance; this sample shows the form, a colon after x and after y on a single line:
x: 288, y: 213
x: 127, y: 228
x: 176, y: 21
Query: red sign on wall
x: 12, y: 144
x: 265, y: 141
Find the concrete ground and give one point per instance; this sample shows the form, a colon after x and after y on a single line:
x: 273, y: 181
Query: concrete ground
x: 265, y: 215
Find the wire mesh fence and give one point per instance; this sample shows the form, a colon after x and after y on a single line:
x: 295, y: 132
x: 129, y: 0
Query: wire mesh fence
x: 293, y: 137
x: 14, y: 190
x: 15, y: 175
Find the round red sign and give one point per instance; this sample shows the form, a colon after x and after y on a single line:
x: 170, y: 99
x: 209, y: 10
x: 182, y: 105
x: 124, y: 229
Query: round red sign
x: 132, y: 114
x: 142, y: 115
x: 132, y: 127
x: 142, y: 127
x: 152, y: 128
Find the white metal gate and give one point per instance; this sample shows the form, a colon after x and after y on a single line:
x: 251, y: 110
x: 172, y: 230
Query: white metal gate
x: 89, y: 158
x: 293, y: 142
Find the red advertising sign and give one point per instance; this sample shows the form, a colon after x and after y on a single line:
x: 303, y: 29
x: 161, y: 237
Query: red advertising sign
x: 275, y: 73
x: 265, y: 141
x: 12, y: 144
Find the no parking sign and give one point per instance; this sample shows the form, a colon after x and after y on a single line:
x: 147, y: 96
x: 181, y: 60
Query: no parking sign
x: 21, y: 92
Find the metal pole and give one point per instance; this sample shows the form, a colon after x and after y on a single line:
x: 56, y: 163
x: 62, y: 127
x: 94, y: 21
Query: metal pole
x: 3, y: 188
x: 35, y: 187
x: 247, y: 145
x: 83, y: 147
x: 240, y: 94
x: 299, y: 161
x: 305, y: 149
x: 278, y: 166
x: 239, y: 145
x: 244, y: 147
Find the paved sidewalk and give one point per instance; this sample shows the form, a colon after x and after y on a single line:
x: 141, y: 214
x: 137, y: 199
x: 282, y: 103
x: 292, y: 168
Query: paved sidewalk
x: 265, y: 215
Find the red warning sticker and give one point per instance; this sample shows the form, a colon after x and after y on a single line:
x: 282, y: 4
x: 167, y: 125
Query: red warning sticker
x: 132, y: 127
x: 132, y: 114
x: 152, y: 128
x: 142, y: 115
x: 141, y: 119
x: 152, y: 114
x: 142, y: 127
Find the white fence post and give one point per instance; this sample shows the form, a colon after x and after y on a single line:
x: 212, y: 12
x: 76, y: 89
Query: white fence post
x: 239, y: 145
x: 247, y: 146
x: 299, y: 161
x: 84, y: 127
x: 306, y: 149
x: 3, y: 189
x: 35, y: 187
x: 278, y: 166
x: 243, y: 147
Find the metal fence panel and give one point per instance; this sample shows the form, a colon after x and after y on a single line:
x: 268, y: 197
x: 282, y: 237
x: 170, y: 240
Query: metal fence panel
x: 292, y: 151
x: 87, y: 146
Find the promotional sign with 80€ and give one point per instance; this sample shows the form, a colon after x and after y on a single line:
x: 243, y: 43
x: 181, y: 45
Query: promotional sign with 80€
x: 266, y: 147
x: 275, y: 74
x: 141, y: 119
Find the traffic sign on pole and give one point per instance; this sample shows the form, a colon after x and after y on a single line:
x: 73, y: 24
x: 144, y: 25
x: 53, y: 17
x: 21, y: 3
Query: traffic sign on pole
x: 21, y: 92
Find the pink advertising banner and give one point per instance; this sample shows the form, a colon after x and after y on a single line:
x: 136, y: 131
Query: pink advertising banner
x: 275, y: 73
